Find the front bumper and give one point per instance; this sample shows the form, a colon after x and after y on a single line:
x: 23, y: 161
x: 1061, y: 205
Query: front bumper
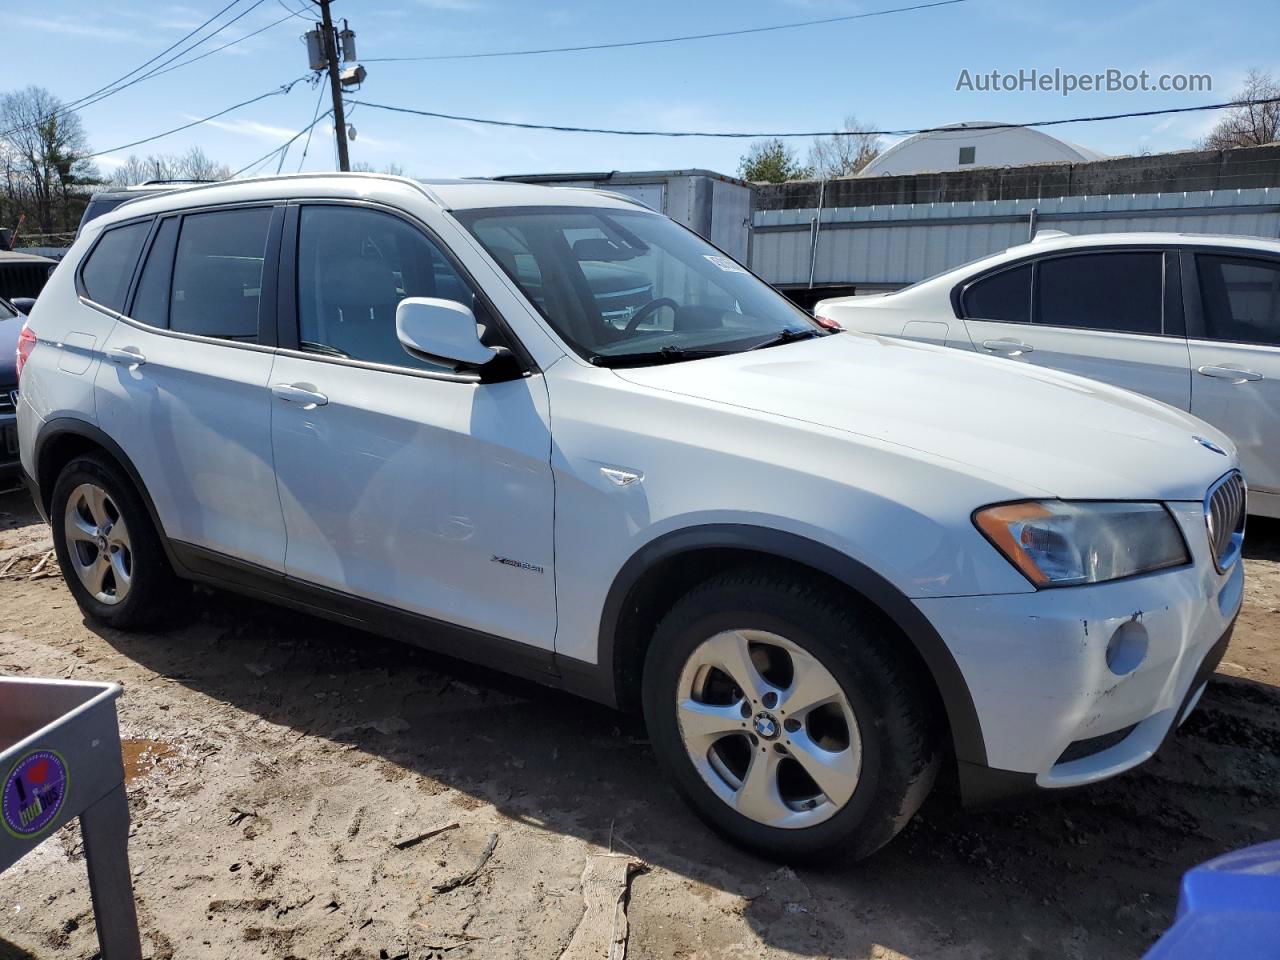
x: 1039, y: 667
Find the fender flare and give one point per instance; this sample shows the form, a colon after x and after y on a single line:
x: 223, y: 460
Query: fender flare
x: 42, y: 485
x: 962, y: 717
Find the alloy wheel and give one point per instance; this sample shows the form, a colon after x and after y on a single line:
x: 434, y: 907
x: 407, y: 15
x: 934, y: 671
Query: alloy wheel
x: 769, y: 729
x: 98, y: 543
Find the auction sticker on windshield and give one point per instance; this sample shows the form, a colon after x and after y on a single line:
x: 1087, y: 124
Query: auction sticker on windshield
x: 34, y: 792
x: 724, y: 263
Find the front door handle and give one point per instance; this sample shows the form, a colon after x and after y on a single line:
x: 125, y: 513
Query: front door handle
x: 126, y: 356
x: 301, y: 393
x: 1229, y: 373
x: 1010, y: 348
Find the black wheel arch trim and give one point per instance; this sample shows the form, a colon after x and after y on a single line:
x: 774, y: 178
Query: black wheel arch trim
x: 962, y: 717
x: 42, y: 485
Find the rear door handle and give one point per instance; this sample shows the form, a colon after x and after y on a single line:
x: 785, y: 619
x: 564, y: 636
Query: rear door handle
x: 301, y: 393
x: 126, y: 356
x: 1010, y: 347
x: 1229, y: 373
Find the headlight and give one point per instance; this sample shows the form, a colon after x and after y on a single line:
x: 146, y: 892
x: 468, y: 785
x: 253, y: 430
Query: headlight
x: 1056, y: 543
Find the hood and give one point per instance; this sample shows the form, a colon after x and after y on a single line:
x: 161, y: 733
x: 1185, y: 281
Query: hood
x: 9, y: 330
x: 1046, y: 433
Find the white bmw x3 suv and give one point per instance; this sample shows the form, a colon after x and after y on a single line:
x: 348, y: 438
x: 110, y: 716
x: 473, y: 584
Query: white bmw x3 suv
x: 553, y: 431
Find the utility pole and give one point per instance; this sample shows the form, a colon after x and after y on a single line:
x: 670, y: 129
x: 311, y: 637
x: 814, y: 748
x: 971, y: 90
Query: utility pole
x: 335, y: 85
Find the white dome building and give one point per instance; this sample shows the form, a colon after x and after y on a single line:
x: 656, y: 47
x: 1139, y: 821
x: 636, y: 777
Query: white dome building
x: 959, y: 146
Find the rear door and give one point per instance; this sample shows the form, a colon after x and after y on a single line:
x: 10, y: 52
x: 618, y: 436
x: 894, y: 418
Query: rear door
x: 1110, y: 315
x: 1234, y: 330
x: 185, y: 389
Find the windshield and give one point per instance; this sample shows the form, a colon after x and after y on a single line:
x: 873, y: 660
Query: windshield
x: 625, y: 286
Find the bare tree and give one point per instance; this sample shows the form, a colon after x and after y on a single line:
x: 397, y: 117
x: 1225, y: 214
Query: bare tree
x: 845, y: 154
x: 392, y: 169
x: 45, y: 158
x: 192, y: 165
x: 1250, y: 124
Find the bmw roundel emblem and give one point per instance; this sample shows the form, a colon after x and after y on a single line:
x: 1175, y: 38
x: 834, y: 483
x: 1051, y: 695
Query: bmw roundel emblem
x: 1210, y: 445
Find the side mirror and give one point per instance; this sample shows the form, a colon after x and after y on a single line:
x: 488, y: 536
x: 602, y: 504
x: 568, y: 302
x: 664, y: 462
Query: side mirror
x: 441, y: 331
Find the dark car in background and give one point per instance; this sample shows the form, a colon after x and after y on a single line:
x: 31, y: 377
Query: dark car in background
x: 11, y: 321
x: 107, y: 200
x: 23, y: 275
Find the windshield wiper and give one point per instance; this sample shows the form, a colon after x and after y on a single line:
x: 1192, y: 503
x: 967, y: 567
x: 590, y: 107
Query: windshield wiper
x: 788, y: 336
x: 668, y: 354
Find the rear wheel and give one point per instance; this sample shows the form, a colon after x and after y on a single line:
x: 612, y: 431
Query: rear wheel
x: 788, y: 717
x: 107, y: 546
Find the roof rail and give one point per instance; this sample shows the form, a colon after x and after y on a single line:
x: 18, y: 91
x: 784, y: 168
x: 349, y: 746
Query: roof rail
x: 321, y: 174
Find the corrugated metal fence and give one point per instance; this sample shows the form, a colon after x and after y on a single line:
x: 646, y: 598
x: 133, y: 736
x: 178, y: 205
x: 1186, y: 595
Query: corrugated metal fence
x: 889, y: 246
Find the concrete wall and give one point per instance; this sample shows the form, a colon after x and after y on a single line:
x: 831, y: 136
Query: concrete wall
x: 885, y: 247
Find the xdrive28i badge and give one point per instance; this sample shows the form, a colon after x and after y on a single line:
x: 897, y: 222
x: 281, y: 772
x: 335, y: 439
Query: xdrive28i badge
x: 34, y: 792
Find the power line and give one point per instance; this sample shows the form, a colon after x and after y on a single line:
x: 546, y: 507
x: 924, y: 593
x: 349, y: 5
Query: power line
x: 156, y: 57
x: 681, y: 39
x: 116, y: 86
x: 157, y: 70
x: 283, y: 146
x: 209, y: 53
x: 195, y: 123
x: 315, y: 115
x: 293, y: 12
x: 820, y: 133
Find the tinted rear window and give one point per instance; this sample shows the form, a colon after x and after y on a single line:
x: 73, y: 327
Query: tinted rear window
x: 1241, y: 299
x: 109, y: 267
x: 151, y: 300
x: 1003, y: 296
x: 217, y: 273
x: 1120, y: 291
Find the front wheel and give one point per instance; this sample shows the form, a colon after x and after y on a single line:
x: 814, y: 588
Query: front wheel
x: 788, y: 717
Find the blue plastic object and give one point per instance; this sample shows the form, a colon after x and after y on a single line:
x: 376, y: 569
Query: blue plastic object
x: 1229, y: 907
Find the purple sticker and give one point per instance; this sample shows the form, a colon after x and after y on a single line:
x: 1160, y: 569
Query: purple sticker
x: 33, y: 793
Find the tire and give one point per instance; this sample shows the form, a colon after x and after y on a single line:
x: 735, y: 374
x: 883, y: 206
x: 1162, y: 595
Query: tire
x: 875, y: 706
x: 94, y: 505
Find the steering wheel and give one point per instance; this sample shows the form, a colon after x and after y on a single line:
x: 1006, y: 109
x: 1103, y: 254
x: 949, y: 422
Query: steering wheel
x: 643, y: 313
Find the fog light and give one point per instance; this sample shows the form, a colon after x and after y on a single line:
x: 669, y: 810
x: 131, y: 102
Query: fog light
x: 1127, y: 648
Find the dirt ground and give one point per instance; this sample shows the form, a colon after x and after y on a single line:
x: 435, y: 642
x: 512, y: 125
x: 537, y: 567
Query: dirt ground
x: 275, y: 761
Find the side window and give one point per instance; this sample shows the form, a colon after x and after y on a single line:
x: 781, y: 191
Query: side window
x: 354, y: 267
x: 151, y: 300
x: 1241, y: 299
x: 1120, y: 291
x: 217, y: 273
x: 109, y: 267
x: 1004, y: 297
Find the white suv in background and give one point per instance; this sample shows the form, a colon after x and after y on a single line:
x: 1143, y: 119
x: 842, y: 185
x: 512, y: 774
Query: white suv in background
x: 821, y: 564
x: 1189, y: 319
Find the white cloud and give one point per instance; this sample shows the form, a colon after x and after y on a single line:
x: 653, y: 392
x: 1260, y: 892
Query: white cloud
x: 249, y: 128
x: 74, y: 28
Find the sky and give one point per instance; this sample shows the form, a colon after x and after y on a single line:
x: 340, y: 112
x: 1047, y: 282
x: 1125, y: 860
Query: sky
x: 897, y: 71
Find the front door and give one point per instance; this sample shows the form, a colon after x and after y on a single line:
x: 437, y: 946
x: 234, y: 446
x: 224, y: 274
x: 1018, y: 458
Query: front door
x: 185, y: 390
x: 1235, y: 359
x: 400, y: 483
x: 1112, y: 316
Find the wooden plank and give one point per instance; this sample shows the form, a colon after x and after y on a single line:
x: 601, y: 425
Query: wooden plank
x: 602, y: 932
